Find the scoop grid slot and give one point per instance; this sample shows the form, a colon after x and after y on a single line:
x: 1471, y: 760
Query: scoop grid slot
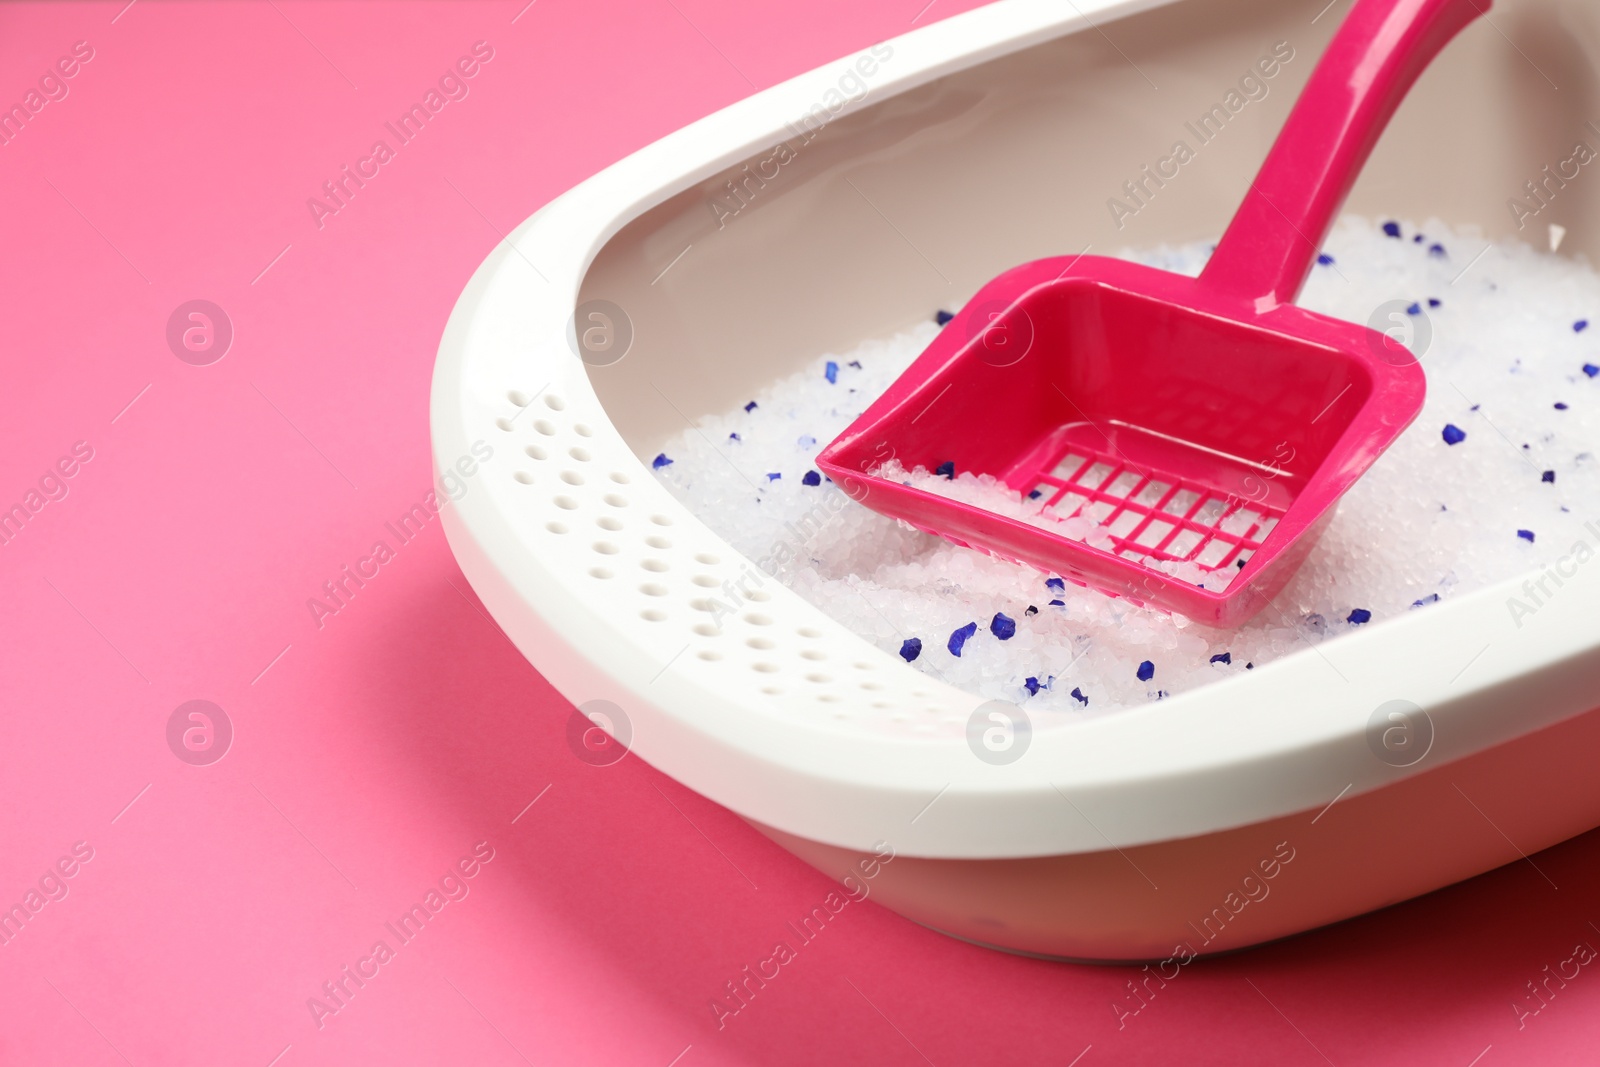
x: 1153, y: 513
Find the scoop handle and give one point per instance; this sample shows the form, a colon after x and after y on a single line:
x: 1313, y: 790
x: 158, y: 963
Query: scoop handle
x: 1372, y: 62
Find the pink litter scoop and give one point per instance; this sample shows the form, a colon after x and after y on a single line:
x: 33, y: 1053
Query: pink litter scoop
x: 1194, y: 426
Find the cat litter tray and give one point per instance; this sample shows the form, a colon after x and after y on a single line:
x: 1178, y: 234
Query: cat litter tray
x: 1391, y: 761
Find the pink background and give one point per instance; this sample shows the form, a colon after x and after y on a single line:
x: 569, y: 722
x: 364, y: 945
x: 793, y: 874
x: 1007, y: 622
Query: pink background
x: 371, y: 754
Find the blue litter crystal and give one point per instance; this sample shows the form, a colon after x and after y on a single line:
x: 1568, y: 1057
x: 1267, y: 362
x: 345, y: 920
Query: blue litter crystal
x: 1325, y: 259
x: 1434, y: 302
x: 750, y: 406
x: 734, y: 437
x: 947, y: 469
x: 1431, y: 598
x: 1392, y: 229
x: 958, y: 639
x: 1590, y: 369
x: 1058, y: 603
x: 1077, y: 694
x: 942, y: 317
x: 1548, y: 476
x: 1358, y: 616
x: 1580, y: 326
x: 1056, y: 583
x: 1003, y: 626
x: 1453, y: 434
x: 1526, y: 535
x: 910, y: 648
x: 773, y: 476
x: 811, y: 478
x: 1032, y: 685
x: 660, y: 461
x: 831, y: 372
x: 1222, y: 657
x: 1436, y: 250
x: 1414, y: 309
x: 1147, y: 671
x: 1560, y: 406
x: 1035, y: 495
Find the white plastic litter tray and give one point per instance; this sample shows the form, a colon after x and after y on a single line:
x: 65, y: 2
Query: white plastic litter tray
x: 1256, y: 807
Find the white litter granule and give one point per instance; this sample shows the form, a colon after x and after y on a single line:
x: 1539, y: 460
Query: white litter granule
x: 1512, y: 382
